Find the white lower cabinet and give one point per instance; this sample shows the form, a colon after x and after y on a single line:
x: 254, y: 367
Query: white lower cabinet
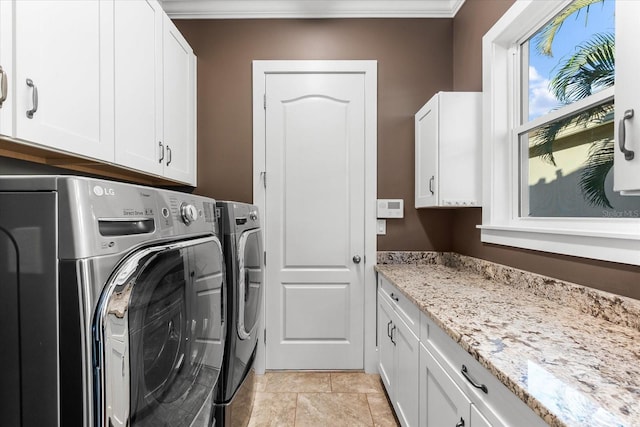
x: 477, y: 419
x: 431, y: 380
x: 442, y: 402
x: 399, y: 350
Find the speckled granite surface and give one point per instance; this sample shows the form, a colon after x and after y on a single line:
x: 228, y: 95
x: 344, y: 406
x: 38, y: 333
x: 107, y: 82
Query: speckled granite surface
x: 569, y: 352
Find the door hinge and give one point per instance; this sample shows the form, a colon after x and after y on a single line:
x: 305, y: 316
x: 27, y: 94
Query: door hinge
x: 264, y: 101
x: 265, y: 335
x: 265, y: 257
x: 264, y: 178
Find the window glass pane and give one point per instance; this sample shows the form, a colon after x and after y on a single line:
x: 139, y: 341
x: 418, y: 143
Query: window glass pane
x: 573, y: 176
x: 570, y: 58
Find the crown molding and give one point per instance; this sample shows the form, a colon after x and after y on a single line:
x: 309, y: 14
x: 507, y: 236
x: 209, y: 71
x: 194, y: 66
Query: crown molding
x: 269, y: 9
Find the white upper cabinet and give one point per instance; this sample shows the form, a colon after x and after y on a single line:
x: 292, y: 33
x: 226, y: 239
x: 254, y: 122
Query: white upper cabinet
x: 6, y: 68
x: 138, y: 85
x: 155, y: 93
x: 112, y: 81
x: 63, y: 75
x: 448, y: 151
x: 627, y: 98
x: 179, y: 115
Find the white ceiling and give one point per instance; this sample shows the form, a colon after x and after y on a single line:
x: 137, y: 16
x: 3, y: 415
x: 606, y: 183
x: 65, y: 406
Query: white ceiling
x: 250, y: 9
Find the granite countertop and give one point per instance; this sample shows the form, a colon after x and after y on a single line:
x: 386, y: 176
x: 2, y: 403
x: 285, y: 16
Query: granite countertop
x: 571, y: 353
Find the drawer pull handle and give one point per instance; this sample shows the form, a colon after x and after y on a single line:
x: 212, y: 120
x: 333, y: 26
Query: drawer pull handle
x: 161, y: 157
x: 388, y: 331
x: 393, y: 329
x: 393, y: 297
x: 3, y: 86
x: 460, y: 423
x: 465, y: 372
x: 628, y: 154
x: 34, y: 98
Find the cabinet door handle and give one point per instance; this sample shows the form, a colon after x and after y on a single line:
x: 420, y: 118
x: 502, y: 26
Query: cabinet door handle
x: 433, y: 178
x: 628, y: 154
x: 3, y: 86
x: 161, y: 158
x: 394, y: 297
x: 465, y: 372
x: 393, y: 329
x: 460, y: 423
x: 389, y: 332
x: 34, y: 99
x: 169, y: 156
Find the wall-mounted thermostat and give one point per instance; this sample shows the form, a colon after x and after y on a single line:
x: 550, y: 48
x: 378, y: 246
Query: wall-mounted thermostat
x: 390, y: 208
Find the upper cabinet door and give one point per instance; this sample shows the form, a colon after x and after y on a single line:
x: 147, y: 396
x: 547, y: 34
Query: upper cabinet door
x: 64, y: 75
x: 6, y: 68
x: 627, y: 96
x: 426, y: 145
x: 179, y: 65
x: 138, y: 85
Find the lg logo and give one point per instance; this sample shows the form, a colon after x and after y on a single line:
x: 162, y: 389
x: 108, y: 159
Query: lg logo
x: 103, y: 191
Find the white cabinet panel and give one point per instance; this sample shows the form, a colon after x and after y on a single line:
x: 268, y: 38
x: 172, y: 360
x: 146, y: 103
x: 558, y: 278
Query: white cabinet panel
x: 407, y: 359
x: 179, y: 115
x: 448, y: 151
x: 627, y: 96
x: 155, y: 93
x: 64, y: 75
x: 399, y: 356
x: 7, y: 94
x: 477, y: 419
x: 138, y: 85
x: 385, y: 345
x: 442, y: 403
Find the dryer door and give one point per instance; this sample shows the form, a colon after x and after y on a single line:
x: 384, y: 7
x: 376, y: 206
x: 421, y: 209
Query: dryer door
x: 160, y: 336
x: 250, y: 279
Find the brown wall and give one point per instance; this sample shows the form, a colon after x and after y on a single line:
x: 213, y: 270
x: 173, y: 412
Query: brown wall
x: 414, y: 61
x: 471, y: 22
x: 416, y: 58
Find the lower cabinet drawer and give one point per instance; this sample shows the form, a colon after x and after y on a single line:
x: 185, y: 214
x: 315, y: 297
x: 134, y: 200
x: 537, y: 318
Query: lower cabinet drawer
x: 406, y: 309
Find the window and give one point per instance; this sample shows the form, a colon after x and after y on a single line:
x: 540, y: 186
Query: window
x: 548, y: 76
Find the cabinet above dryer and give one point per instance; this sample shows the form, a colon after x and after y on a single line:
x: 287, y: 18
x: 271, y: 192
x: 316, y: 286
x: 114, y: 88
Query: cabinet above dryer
x: 96, y: 87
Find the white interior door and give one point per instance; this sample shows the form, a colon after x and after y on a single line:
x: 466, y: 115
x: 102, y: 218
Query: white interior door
x: 315, y: 211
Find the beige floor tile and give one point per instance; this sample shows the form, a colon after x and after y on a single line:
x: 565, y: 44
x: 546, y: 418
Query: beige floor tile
x: 355, y: 382
x: 298, y: 382
x: 381, y: 410
x: 273, y: 409
x: 333, y: 409
x: 261, y: 382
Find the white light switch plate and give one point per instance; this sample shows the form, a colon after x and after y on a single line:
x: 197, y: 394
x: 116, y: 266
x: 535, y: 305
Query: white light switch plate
x: 381, y: 227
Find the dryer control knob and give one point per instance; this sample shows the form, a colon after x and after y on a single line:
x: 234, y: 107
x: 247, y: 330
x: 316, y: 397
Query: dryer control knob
x: 189, y: 213
x: 253, y: 215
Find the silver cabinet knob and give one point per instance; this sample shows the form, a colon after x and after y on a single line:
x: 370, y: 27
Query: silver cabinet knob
x: 357, y: 259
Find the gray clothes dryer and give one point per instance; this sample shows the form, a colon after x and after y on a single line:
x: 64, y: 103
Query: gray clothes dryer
x: 111, y: 310
x: 243, y: 251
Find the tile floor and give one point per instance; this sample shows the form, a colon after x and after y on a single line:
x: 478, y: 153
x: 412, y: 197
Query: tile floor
x: 321, y: 399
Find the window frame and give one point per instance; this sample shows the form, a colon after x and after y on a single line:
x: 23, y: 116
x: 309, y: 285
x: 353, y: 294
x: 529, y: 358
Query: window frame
x: 609, y: 239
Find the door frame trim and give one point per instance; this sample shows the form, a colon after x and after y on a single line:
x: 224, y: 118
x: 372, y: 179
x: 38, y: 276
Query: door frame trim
x: 368, y: 68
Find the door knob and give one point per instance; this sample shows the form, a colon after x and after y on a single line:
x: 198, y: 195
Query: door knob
x: 357, y: 259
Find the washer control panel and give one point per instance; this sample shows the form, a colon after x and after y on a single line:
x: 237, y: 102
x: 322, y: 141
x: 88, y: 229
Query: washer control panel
x: 188, y: 213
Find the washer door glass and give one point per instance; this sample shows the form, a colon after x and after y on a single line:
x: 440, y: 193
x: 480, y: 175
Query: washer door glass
x: 250, y: 279
x: 175, y: 330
